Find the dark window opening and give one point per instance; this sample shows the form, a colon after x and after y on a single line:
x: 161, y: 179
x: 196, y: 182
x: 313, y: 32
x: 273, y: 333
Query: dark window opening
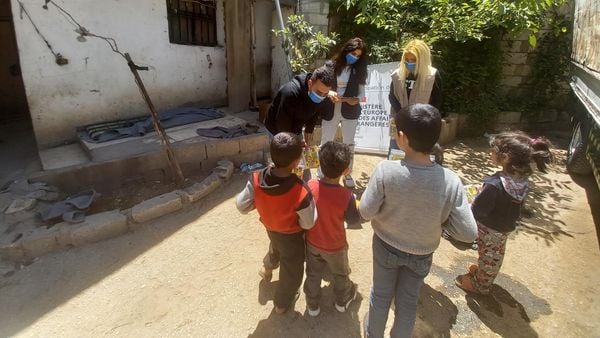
x: 192, y: 22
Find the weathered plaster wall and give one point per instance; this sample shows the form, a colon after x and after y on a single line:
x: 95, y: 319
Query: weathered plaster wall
x: 97, y: 85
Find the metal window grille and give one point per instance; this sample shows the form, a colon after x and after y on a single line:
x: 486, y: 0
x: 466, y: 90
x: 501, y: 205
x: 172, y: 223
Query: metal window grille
x: 192, y: 22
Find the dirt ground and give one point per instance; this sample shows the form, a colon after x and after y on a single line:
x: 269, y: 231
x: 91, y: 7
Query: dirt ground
x: 195, y: 274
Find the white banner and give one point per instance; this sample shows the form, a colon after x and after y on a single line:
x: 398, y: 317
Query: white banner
x: 372, y: 133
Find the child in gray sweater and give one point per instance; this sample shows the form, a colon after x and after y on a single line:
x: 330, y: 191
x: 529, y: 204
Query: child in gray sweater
x: 407, y: 201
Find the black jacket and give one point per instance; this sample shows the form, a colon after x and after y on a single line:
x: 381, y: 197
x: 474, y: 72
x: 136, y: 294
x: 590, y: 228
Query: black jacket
x: 494, y: 207
x: 435, y: 99
x: 358, y: 76
x: 292, y: 109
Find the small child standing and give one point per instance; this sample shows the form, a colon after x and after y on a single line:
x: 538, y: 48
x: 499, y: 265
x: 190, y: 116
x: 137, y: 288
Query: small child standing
x: 498, y: 205
x: 407, y: 201
x: 286, y: 208
x: 326, y: 241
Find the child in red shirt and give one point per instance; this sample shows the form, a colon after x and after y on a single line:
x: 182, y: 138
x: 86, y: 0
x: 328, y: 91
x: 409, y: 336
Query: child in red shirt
x: 326, y: 243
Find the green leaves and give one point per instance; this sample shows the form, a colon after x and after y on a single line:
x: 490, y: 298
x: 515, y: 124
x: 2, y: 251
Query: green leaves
x: 304, y: 45
x: 452, y: 19
x: 532, y: 40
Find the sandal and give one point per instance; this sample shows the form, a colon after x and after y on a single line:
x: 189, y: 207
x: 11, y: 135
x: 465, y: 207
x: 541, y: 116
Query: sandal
x: 464, y: 282
x: 473, y: 268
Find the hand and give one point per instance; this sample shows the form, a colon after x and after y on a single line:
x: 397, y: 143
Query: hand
x: 307, y: 139
x: 334, y: 97
x: 353, y: 101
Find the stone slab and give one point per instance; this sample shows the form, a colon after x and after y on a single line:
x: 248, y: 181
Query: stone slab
x: 151, y: 142
x: 254, y: 142
x: 98, y: 227
x: 40, y: 242
x: 157, y: 207
x: 202, y: 189
x: 63, y: 157
x: 507, y: 117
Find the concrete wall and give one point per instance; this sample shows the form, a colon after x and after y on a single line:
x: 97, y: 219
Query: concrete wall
x: 317, y: 13
x: 519, y: 57
x: 97, y: 85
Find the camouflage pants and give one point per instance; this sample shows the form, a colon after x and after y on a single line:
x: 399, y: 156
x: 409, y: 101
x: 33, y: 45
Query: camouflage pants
x: 492, y: 245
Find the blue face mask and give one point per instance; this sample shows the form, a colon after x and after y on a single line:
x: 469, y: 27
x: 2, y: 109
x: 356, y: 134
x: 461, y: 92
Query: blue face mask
x: 315, y: 98
x: 411, y: 66
x: 351, y: 59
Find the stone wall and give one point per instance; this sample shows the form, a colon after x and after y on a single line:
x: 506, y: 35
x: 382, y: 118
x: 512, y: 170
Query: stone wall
x: 316, y: 12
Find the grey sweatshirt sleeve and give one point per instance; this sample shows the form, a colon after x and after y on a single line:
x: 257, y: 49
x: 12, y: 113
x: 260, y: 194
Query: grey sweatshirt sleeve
x: 461, y: 223
x: 244, y: 201
x: 307, y: 213
x: 372, y: 197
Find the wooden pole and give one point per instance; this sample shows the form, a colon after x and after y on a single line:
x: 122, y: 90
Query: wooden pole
x: 156, y: 121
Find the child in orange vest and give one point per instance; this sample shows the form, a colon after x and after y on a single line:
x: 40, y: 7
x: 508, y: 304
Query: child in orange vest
x: 286, y: 208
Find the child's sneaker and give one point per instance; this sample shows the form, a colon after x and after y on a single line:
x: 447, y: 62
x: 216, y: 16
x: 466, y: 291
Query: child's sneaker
x: 349, y: 182
x: 265, y: 274
x: 313, y: 310
x: 343, y: 307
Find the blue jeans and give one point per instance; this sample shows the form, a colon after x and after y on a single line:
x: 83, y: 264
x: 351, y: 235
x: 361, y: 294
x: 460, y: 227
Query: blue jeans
x: 396, y: 275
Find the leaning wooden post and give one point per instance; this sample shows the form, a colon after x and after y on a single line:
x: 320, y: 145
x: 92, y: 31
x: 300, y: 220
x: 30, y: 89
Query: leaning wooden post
x: 156, y: 121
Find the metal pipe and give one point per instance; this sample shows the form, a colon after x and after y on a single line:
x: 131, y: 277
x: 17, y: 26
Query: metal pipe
x: 253, y: 103
x: 283, y: 39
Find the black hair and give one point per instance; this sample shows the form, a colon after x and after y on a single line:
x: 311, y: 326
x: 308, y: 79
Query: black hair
x: 285, y: 149
x: 334, y: 158
x: 520, y: 150
x: 422, y: 124
x: 361, y: 65
x: 324, y: 74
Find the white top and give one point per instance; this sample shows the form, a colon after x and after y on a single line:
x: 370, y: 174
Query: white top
x: 342, y: 80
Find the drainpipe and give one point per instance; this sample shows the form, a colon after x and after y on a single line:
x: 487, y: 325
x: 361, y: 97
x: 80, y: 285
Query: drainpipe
x: 254, y: 104
x: 283, y: 39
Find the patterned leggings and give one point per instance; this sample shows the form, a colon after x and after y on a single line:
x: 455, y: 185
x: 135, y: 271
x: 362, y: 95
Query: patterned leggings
x: 492, y: 245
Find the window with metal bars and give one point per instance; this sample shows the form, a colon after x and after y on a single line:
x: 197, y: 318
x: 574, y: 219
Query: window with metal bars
x: 192, y: 22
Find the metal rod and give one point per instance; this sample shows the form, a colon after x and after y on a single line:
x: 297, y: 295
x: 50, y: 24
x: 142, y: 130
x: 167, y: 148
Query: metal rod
x: 156, y: 121
x: 253, y: 54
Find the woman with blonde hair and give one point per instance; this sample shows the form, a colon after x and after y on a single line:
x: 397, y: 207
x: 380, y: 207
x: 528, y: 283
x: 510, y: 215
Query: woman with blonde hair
x: 415, y: 81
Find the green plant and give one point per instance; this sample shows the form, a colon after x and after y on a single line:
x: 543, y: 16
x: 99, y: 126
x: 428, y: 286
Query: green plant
x: 456, y: 20
x: 471, y: 73
x: 303, y: 44
x: 550, y: 69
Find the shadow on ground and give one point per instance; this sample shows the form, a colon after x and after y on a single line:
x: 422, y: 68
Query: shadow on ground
x: 501, y: 313
x: 470, y: 158
x: 297, y: 323
x: 83, y: 267
x: 436, y: 314
x: 593, y: 196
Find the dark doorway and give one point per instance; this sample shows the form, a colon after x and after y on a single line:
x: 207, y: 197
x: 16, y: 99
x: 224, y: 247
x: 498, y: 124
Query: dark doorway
x: 13, y: 104
x: 18, y: 149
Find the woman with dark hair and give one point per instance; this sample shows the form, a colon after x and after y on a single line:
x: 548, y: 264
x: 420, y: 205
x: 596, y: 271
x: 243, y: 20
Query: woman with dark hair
x: 350, y: 66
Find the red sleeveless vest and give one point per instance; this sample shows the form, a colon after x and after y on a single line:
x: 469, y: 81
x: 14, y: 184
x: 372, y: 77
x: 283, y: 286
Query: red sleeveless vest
x: 278, y: 212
